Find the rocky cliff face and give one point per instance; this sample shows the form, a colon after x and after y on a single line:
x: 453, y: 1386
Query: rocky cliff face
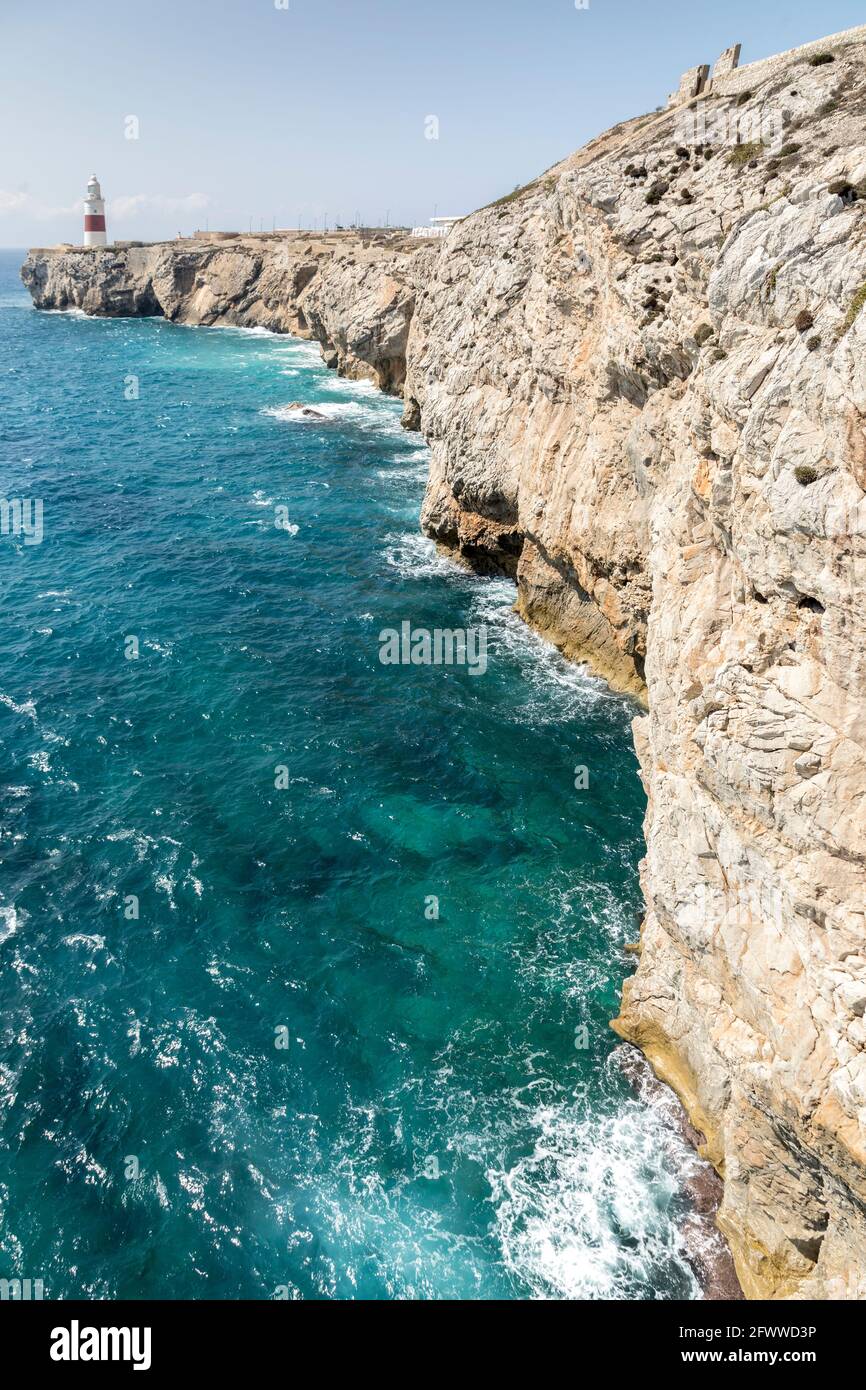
x: 644, y: 383
x: 351, y: 293
x: 642, y: 378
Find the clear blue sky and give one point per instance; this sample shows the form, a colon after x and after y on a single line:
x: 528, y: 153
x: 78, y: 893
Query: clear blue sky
x: 249, y: 111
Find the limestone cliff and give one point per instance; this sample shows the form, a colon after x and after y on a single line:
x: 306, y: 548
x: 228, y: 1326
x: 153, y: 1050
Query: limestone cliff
x: 349, y: 292
x: 642, y: 378
x: 644, y: 383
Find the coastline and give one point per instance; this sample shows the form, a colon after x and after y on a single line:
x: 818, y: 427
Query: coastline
x: 472, y: 1016
x: 627, y: 415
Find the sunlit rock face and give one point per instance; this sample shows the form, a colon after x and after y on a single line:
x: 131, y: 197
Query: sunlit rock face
x: 644, y: 382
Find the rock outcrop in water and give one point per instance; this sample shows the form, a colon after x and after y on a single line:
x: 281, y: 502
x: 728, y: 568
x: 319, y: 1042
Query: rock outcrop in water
x: 643, y: 379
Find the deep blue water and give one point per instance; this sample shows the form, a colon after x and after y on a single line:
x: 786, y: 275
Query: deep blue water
x: 431, y: 1130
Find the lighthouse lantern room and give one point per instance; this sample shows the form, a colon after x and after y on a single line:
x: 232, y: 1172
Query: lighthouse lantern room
x: 94, y: 214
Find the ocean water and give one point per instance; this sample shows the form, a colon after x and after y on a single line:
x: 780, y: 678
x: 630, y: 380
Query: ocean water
x: 432, y: 1129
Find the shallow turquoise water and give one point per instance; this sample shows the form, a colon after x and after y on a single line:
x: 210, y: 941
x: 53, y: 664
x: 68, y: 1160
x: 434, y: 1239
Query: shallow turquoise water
x: 431, y: 1130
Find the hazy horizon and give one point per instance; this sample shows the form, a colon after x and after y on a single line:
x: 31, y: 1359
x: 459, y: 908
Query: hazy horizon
x: 229, y: 116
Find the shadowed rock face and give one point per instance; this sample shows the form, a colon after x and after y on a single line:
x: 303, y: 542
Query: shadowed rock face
x: 643, y: 381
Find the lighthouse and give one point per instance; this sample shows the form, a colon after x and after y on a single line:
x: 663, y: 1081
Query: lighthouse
x: 94, y: 214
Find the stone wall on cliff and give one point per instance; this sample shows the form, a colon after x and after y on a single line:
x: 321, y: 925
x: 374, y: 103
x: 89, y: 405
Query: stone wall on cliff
x: 643, y: 382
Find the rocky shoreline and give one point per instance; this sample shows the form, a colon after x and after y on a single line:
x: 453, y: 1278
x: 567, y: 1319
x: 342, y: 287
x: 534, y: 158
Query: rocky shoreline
x: 643, y: 381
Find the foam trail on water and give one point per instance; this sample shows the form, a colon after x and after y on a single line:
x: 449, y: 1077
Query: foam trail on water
x: 587, y: 1215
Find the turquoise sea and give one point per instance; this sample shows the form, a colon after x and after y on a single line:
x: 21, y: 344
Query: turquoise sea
x: 433, y: 1127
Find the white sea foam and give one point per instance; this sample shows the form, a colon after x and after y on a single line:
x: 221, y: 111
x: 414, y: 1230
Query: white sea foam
x: 256, y: 332
x: 88, y: 942
x: 8, y: 922
x: 27, y: 707
x: 583, y: 921
x: 329, y: 410
x: 294, y: 414
x: 552, y: 688
x: 301, y: 350
x: 555, y: 687
x: 166, y: 856
x: 353, y: 387
x: 586, y: 1214
x: 415, y: 556
x: 366, y: 410
x: 412, y: 468
x: 165, y: 884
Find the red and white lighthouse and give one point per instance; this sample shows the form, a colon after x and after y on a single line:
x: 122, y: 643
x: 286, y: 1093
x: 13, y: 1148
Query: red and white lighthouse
x: 94, y: 214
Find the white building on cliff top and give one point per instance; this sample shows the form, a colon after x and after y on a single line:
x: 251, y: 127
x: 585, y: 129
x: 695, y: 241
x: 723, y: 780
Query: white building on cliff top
x: 439, y: 226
